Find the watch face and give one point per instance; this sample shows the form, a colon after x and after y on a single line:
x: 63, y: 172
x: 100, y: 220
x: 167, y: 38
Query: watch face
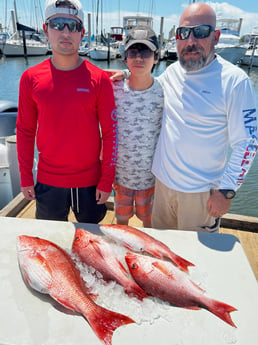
x: 230, y: 194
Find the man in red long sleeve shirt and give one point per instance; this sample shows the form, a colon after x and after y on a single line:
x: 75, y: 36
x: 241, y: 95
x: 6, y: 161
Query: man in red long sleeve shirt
x: 67, y: 104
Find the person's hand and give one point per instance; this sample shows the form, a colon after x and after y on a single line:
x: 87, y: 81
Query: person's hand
x: 101, y: 196
x: 115, y: 74
x: 29, y: 192
x: 218, y: 204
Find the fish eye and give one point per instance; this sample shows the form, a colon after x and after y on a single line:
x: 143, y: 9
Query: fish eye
x: 134, y: 266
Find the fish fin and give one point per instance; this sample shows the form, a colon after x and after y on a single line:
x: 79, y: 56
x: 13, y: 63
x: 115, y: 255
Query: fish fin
x: 95, y: 245
x: 155, y: 253
x: 43, y: 271
x: 134, y: 290
x: 180, y: 262
x: 160, y: 266
x: 193, y: 307
x: 222, y: 310
x: 122, y: 267
x: 104, y: 322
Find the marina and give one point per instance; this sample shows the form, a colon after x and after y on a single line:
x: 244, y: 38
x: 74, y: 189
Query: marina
x: 245, y: 202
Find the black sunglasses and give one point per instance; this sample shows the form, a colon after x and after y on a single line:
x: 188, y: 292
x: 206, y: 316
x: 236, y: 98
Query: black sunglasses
x: 60, y: 23
x: 144, y: 53
x: 199, y: 31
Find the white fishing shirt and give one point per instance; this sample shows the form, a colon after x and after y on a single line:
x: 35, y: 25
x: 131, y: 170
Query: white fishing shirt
x: 139, y: 116
x: 204, y: 112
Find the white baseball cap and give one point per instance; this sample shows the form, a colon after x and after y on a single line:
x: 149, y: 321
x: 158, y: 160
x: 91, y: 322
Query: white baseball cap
x: 73, y: 7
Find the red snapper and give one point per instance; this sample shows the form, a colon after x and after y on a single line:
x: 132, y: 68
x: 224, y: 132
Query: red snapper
x: 48, y: 269
x: 163, y: 280
x: 97, y: 253
x: 140, y: 242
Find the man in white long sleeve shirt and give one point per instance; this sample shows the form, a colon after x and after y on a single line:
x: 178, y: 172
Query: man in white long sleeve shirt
x: 209, y: 105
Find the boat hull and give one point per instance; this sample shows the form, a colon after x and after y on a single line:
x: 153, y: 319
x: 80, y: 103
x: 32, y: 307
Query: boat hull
x: 231, y: 53
x: 248, y: 58
x: 15, y: 48
x: 102, y: 53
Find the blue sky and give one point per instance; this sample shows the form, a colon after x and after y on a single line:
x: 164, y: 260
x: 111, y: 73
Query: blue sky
x: 114, y: 10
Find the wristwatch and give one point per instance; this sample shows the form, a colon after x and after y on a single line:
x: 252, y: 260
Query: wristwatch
x: 228, y: 193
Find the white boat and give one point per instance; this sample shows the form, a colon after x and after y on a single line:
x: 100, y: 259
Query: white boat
x: 229, y: 46
x: 84, y: 48
x: 100, y: 52
x: 251, y: 55
x: 3, y: 38
x: 15, y: 47
x: 171, y: 50
x: 129, y: 22
x: 116, y: 36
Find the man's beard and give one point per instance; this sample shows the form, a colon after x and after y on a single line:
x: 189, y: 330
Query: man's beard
x: 191, y: 65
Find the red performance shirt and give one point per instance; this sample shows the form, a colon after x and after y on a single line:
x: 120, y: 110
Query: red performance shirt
x: 73, y: 116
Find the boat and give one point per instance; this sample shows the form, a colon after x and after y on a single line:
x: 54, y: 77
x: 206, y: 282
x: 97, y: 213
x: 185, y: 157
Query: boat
x: 116, y: 38
x: 129, y: 22
x: 3, y: 38
x: 229, y: 46
x: 171, y: 50
x: 101, y: 52
x: 84, y: 48
x: 116, y: 33
x: 251, y: 56
x: 102, y: 49
x: 15, y: 47
x: 24, y: 41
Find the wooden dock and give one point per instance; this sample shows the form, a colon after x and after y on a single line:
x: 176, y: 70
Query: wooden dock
x: 244, y: 228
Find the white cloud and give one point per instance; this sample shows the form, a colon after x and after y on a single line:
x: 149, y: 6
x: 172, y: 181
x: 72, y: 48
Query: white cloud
x: 229, y: 11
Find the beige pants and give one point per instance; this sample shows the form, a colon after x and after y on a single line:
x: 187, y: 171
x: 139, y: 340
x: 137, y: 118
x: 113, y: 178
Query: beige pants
x: 182, y: 211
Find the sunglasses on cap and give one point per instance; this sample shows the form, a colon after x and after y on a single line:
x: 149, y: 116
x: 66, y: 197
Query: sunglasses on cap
x: 143, y: 53
x: 199, y: 31
x: 60, y: 23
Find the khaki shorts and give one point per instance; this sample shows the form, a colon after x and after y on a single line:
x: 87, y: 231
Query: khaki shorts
x: 126, y: 200
x: 182, y: 211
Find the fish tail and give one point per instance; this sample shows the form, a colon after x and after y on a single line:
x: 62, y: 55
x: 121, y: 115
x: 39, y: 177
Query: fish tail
x: 104, y: 322
x: 222, y: 310
x: 180, y: 262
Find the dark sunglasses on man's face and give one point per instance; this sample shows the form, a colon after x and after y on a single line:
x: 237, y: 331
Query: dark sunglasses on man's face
x: 199, y: 31
x: 60, y: 23
x: 143, y: 53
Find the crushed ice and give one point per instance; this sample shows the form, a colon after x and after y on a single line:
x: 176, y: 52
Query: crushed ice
x: 111, y: 295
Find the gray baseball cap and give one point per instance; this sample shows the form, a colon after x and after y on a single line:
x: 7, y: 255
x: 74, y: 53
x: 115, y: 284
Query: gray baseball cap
x: 142, y: 34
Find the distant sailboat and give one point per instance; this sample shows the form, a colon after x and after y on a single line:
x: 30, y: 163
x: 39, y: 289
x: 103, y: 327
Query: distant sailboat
x: 101, y: 51
x: 20, y: 45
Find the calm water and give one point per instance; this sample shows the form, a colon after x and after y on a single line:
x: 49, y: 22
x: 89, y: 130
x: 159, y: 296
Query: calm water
x: 11, y: 69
